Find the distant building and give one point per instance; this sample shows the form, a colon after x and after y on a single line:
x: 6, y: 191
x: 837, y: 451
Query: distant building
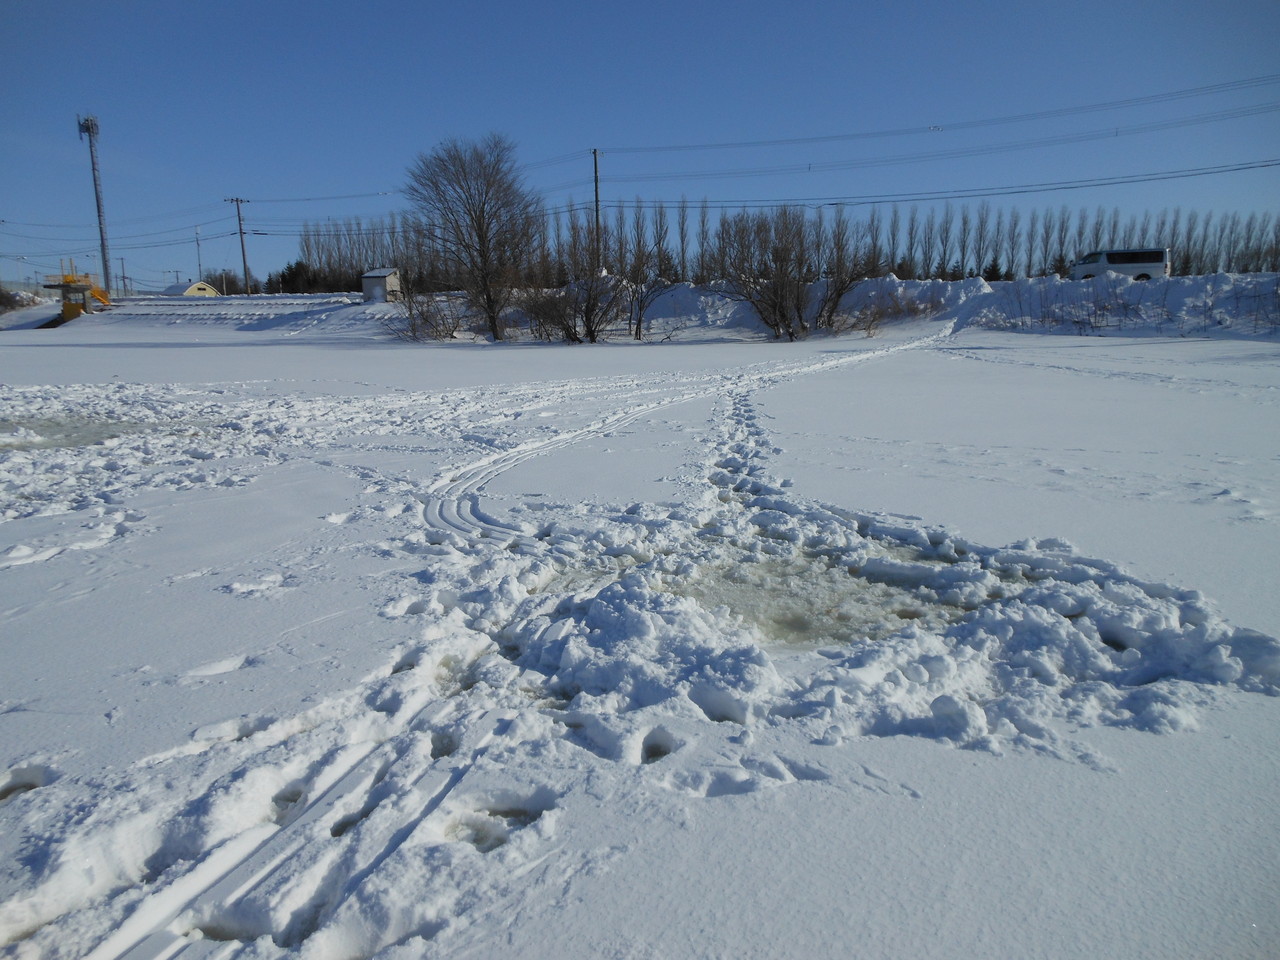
x: 381, y: 285
x: 189, y: 289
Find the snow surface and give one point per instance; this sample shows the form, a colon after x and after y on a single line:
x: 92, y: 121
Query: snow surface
x: 322, y: 644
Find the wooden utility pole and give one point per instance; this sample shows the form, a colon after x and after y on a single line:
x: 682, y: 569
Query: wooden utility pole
x: 595, y: 163
x: 89, y: 126
x: 244, y: 258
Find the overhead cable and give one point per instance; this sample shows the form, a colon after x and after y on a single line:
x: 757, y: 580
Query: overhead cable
x: 964, y: 124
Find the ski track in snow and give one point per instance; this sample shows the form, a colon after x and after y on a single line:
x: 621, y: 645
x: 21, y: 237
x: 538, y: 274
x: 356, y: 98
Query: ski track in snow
x: 452, y: 504
x: 586, y: 643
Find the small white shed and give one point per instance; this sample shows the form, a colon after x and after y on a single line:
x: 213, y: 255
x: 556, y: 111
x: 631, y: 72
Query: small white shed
x: 381, y: 285
x: 189, y: 289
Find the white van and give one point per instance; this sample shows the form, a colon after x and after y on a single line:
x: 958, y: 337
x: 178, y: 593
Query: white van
x: 1139, y: 264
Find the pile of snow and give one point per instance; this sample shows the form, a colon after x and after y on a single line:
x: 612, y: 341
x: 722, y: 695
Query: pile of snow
x: 290, y: 314
x: 339, y: 660
x: 1239, y: 304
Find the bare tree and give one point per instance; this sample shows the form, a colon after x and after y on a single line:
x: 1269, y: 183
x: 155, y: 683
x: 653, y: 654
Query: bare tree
x: 1113, y: 228
x: 1081, y: 235
x: 619, y: 242
x: 682, y: 241
x: 587, y: 306
x: 1044, y: 246
x: 906, y: 270
x: 337, y: 253
x: 702, y: 272
x: 472, y: 196
x: 1031, y: 237
x: 1255, y: 254
x: 641, y: 281
x: 843, y: 265
x: 1177, y: 248
x: 981, y: 237
x: 1160, y: 234
x: 1225, y: 242
x: 1187, y: 262
x: 661, y: 241
x: 1062, y: 228
x: 928, y: 244
x: 1206, y: 260
x: 993, y: 271
x: 875, y: 255
x: 946, y: 224
x: 1012, y: 240
x: 963, y: 241
x: 1097, y: 230
x: 424, y: 315
x: 769, y: 264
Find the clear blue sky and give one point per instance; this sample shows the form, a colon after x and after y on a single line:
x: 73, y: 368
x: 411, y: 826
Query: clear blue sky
x: 282, y: 101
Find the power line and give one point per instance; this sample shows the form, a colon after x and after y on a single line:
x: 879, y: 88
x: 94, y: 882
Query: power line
x: 289, y: 227
x: 851, y: 200
x: 127, y: 236
x: 981, y: 192
x: 964, y: 124
x: 554, y: 161
x: 344, y: 196
x: 78, y: 243
x: 953, y: 154
x: 149, y: 218
x: 868, y: 199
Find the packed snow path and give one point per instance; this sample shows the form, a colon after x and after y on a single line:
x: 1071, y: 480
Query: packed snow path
x: 564, y: 658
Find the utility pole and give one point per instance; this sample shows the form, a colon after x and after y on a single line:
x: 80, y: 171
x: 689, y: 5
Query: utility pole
x: 89, y: 125
x: 595, y: 164
x: 595, y: 177
x: 124, y: 288
x: 199, y: 265
x: 244, y: 258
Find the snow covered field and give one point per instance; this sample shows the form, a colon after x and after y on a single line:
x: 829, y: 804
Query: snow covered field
x: 952, y: 642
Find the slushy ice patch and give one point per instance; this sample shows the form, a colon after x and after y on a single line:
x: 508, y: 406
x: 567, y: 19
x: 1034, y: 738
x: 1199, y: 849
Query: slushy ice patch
x: 861, y: 625
x: 804, y: 602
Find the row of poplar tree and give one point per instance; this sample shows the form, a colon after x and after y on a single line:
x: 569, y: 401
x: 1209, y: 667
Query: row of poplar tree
x: 473, y: 225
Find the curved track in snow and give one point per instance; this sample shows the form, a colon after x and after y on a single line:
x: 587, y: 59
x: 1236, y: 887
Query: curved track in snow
x: 452, y: 504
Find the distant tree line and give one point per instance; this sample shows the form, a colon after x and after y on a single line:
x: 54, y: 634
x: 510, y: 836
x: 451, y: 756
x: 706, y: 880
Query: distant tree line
x: 332, y: 256
x: 474, y: 228
x: 946, y: 244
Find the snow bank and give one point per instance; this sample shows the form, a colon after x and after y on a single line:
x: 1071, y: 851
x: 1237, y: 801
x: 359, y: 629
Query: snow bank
x: 1222, y: 304
x: 1232, y: 304
x: 287, y: 314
